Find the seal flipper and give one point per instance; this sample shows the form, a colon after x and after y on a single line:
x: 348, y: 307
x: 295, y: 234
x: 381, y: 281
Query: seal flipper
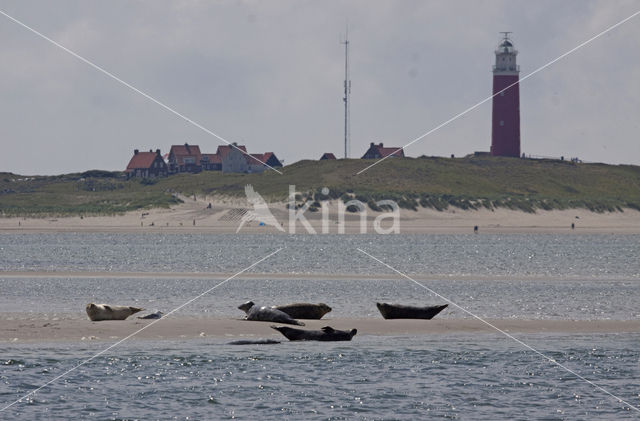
x: 328, y: 329
x: 108, y: 308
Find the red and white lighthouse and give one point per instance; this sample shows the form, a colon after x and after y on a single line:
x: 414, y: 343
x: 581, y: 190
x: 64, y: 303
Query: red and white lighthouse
x: 505, y: 125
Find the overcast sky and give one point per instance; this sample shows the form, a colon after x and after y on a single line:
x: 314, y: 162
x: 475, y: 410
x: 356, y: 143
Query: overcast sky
x: 269, y: 75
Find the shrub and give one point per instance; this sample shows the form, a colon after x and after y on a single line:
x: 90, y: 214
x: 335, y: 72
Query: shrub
x: 408, y: 204
x: 148, y: 181
x: 100, y: 174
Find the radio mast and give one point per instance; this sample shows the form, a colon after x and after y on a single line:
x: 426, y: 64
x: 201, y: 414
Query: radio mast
x: 347, y: 94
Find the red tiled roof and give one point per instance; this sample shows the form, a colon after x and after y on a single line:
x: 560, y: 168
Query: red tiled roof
x: 380, y: 151
x: 263, y: 158
x: 141, y: 160
x: 223, y: 150
x: 256, y: 158
x: 384, y: 151
x: 214, y: 158
x: 182, y: 151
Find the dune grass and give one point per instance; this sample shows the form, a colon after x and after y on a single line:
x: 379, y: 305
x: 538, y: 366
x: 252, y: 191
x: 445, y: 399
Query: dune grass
x: 432, y: 182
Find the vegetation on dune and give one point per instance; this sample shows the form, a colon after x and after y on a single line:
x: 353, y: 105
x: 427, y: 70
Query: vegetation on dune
x: 429, y: 182
x: 93, y: 192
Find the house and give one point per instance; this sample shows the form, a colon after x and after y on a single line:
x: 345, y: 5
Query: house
x: 380, y: 151
x: 233, y: 158
x: 327, y: 155
x: 185, y: 158
x: 211, y: 162
x: 256, y: 161
x: 147, y: 164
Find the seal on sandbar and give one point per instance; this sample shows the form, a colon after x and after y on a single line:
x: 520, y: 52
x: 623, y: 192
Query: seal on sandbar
x: 305, y: 310
x: 267, y: 314
x: 399, y: 311
x: 156, y: 315
x: 98, y: 312
x: 254, y: 342
x: 326, y: 334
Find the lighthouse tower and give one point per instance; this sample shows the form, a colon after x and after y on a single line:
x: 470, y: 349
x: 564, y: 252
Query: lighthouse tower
x: 505, y: 124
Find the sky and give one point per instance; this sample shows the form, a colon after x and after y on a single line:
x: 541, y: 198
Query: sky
x: 269, y: 75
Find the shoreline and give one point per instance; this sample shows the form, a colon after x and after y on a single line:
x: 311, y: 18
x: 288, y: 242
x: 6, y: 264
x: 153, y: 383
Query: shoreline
x: 224, y: 217
x: 189, y: 328
x: 219, y: 276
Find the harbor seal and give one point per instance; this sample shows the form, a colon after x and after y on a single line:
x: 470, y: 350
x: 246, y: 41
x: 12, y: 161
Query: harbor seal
x: 398, y: 311
x: 267, y: 314
x: 326, y: 334
x: 254, y: 342
x: 98, y: 312
x: 305, y: 310
x: 156, y: 315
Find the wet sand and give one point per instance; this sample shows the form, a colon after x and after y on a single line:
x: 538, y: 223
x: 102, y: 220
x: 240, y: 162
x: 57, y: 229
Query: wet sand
x: 176, y: 328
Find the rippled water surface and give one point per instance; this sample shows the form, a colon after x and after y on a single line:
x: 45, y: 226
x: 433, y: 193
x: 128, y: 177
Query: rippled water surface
x: 477, y: 377
x: 515, y: 254
x: 459, y: 377
x: 510, y: 276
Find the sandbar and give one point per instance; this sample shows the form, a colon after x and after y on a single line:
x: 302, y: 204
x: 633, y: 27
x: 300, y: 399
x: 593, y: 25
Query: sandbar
x: 176, y: 328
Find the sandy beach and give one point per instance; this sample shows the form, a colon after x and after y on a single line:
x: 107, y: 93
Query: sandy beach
x: 175, y: 328
x: 194, y: 216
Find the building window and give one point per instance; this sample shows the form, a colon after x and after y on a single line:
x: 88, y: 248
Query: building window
x: 502, y: 122
x: 502, y: 93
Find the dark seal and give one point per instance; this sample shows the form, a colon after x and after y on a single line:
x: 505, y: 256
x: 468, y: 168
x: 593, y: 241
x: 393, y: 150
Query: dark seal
x: 326, y: 334
x: 305, y: 310
x: 267, y: 314
x: 254, y: 342
x: 398, y: 311
x: 156, y: 315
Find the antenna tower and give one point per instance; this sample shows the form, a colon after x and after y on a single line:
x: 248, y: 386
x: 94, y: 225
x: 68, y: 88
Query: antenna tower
x: 347, y: 94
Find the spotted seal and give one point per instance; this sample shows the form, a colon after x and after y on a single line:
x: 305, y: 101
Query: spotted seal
x: 267, y: 314
x: 98, y: 312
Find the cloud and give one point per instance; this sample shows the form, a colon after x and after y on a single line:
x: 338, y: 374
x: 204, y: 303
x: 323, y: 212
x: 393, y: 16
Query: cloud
x: 269, y: 74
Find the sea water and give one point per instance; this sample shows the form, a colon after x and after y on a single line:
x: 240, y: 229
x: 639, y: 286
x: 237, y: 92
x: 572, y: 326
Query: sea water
x: 461, y: 376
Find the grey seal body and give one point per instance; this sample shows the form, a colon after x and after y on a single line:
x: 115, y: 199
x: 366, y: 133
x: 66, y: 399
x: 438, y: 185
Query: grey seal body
x: 398, y: 311
x: 99, y: 312
x: 326, y: 334
x: 305, y: 310
x: 267, y: 314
